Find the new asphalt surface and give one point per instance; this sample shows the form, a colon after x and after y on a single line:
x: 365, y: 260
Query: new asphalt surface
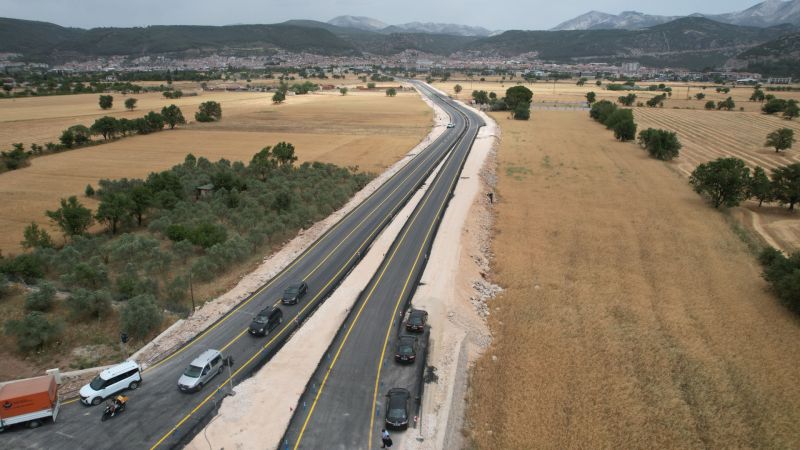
x: 343, y: 405
x: 160, y: 416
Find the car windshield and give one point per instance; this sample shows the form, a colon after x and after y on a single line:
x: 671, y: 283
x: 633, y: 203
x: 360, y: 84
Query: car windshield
x: 260, y: 319
x: 291, y: 292
x: 397, y: 413
x: 406, y: 346
x: 97, y: 383
x: 415, y: 319
x: 193, y: 371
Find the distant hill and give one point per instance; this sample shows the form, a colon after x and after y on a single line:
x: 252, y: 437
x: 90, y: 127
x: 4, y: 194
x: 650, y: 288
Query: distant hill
x: 688, y: 42
x: 438, y: 28
x: 358, y: 22
x: 370, y: 24
x: 691, y: 42
x: 766, y: 14
x: 780, y: 57
x: 627, y: 20
x: 46, y: 41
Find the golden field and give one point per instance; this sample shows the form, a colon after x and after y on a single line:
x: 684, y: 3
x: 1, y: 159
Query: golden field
x: 633, y: 316
x: 708, y: 135
x: 566, y: 91
x: 365, y: 129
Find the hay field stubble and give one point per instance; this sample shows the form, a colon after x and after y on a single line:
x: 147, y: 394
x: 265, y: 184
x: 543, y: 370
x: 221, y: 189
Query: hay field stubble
x: 566, y: 91
x: 369, y: 130
x: 633, y: 317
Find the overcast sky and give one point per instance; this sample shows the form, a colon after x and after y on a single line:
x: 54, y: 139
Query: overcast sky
x: 492, y: 14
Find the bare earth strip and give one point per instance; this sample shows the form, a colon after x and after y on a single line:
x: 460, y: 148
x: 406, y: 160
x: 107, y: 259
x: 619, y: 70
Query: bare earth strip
x: 633, y: 317
x: 371, y: 131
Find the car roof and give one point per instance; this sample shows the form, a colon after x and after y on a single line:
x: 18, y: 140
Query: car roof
x: 418, y: 312
x: 120, y: 368
x: 399, y: 391
x: 408, y: 338
x: 266, y: 311
x: 203, y: 358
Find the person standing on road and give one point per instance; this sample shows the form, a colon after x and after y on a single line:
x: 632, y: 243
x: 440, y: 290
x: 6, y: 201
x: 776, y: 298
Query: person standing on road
x: 385, y: 439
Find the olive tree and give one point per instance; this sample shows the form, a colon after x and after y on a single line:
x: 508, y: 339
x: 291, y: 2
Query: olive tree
x: 725, y: 181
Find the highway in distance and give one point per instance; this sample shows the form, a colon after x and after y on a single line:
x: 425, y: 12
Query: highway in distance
x: 342, y: 408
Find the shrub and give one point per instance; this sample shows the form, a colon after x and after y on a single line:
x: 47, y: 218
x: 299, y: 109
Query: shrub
x: 602, y: 110
x: 619, y: 115
x: 625, y: 130
x: 725, y: 181
x: 34, y: 331
x: 42, y: 298
x: 710, y: 105
x: 36, y: 237
x: 783, y: 275
x: 89, y: 304
x: 26, y: 267
x: 140, y: 316
x: 660, y: 144
x: 209, y: 112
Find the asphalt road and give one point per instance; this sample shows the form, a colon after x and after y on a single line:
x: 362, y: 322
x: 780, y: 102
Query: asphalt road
x: 343, y: 406
x: 159, y: 415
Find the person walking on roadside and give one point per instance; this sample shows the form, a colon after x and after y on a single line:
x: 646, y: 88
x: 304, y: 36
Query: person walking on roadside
x: 385, y: 439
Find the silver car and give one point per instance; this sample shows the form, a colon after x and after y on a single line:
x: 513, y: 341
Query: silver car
x: 201, y: 371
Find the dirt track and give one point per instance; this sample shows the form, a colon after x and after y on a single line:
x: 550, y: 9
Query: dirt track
x: 633, y: 316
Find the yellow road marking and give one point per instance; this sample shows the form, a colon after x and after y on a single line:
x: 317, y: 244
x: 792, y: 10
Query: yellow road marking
x: 264, y: 347
x: 295, y: 262
x: 396, y: 307
x: 358, y: 315
x: 310, y: 303
x: 67, y: 402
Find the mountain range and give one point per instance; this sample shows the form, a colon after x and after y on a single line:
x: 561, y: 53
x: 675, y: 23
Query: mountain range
x: 766, y: 14
x: 370, y: 24
x: 690, y: 42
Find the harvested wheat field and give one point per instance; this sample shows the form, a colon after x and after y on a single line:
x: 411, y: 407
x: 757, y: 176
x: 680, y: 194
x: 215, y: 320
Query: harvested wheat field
x: 633, y: 316
x: 369, y: 131
x: 568, y: 93
x: 708, y: 135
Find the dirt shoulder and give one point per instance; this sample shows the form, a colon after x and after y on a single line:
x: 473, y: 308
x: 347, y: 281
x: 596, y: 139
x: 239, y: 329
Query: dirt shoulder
x: 632, y: 316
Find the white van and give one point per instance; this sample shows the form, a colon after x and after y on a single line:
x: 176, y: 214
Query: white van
x: 110, y: 381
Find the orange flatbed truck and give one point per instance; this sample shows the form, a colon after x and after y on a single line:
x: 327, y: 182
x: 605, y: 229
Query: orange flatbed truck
x: 30, y: 401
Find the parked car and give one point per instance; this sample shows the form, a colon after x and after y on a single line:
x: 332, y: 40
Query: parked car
x: 397, y: 408
x: 123, y: 376
x: 201, y: 371
x: 416, y: 320
x: 265, y: 321
x: 451, y: 125
x: 406, y: 349
x: 294, y: 293
x: 28, y: 402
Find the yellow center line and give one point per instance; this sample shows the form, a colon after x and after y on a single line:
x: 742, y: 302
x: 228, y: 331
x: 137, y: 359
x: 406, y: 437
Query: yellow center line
x: 397, y: 306
x: 309, y: 304
x: 427, y: 156
x: 360, y: 310
x: 262, y: 348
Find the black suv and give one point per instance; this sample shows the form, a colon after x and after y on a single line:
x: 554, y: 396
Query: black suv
x: 406, y: 349
x: 397, y: 408
x: 294, y: 293
x: 416, y: 320
x: 266, y: 321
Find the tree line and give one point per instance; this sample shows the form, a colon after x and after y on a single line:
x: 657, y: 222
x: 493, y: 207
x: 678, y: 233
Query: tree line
x: 109, y: 128
x: 190, y: 223
x: 517, y: 100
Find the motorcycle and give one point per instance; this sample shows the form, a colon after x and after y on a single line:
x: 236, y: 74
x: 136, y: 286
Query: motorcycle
x: 114, y: 408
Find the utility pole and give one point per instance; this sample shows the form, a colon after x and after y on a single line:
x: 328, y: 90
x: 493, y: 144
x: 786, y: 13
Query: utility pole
x: 191, y: 289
